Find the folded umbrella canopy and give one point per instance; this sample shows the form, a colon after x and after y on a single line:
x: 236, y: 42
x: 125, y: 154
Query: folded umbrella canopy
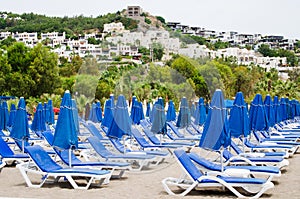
x: 159, y: 125
x: 50, y: 119
x: 257, y: 115
x: 184, y: 116
x: 39, y: 122
x: 93, y: 115
x: 171, y: 112
x: 65, y: 135
x: 121, y: 123
x: 12, y: 115
x: 108, y: 113
x: 239, y: 119
x: 200, y: 113
x: 276, y: 106
x: 4, y: 116
x: 216, y: 134
x: 99, y: 111
x: 20, y: 130
x: 270, y: 112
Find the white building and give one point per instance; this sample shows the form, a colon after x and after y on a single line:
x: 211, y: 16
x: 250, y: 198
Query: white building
x: 4, y: 35
x: 114, y: 28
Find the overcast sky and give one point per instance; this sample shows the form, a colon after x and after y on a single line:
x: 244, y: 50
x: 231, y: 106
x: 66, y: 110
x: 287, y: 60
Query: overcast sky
x: 276, y: 17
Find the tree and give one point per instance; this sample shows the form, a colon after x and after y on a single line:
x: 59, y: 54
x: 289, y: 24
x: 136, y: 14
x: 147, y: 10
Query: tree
x: 158, y: 51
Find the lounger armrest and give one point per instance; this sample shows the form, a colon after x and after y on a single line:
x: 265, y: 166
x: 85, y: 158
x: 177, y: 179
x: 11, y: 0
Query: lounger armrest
x: 232, y: 172
x: 252, y: 155
x: 246, y: 160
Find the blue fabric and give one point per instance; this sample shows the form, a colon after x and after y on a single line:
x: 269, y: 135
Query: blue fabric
x: 12, y: 115
x: 135, y: 113
x: 283, y: 111
x: 148, y: 110
x: 229, y: 103
x: 75, y: 115
x: 257, y: 115
x: 93, y: 116
x: 270, y: 112
x: 239, y: 119
x: 99, y: 111
x: 159, y: 125
x: 50, y: 120
x: 276, y: 106
x: 200, y: 113
x: 20, y: 130
x: 171, y: 112
x: 39, y: 123
x: 216, y: 132
x: 46, y: 112
x: 4, y: 116
x: 112, y: 98
x: 65, y: 135
x: 184, y: 116
x: 192, y: 109
x: 108, y: 114
x: 121, y: 123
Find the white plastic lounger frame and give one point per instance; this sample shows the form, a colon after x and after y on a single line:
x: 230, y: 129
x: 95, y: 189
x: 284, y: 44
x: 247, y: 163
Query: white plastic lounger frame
x: 255, y: 187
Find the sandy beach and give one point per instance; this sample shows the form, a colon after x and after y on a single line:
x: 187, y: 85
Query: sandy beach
x: 145, y: 184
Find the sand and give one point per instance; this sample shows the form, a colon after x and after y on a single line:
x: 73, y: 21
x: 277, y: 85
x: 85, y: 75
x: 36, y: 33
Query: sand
x: 145, y: 184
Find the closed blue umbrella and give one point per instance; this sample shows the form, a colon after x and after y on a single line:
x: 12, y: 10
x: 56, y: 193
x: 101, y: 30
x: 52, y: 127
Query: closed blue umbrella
x: 171, y: 112
x: 121, y: 123
x: 216, y: 133
x: 239, y: 119
x: 65, y: 135
x: 75, y: 116
x: 4, y: 116
x: 257, y: 115
x: 50, y: 120
x: 99, y: 111
x: 148, y: 110
x: 134, y: 115
x: 93, y: 115
x: 112, y: 98
x: 137, y: 113
x: 38, y: 122
x: 20, y: 130
x: 270, y: 112
x: 12, y: 115
x: 108, y: 114
x: 192, y: 109
x: 200, y: 113
x: 159, y: 117
x: 283, y: 109
x: 46, y: 112
x: 184, y: 116
x: 276, y: 106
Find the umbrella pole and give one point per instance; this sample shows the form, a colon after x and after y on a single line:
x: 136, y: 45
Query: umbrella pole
x: 70, y: 159
x: 243, y: 140
x: 221, y: 159
x: 124, y: 144
x: 160, y: 139
x: 23, y: 145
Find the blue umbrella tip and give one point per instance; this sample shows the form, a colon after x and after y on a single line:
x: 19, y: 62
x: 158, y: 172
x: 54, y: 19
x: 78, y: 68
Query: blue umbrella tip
x: 67, y: 91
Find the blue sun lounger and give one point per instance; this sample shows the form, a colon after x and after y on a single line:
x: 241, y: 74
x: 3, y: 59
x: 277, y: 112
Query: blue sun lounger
x: 138, y: 161
x: 119, y: 167
x: 207, y: 166
x: 254, y: 161
x: 43, y: 164
x: 8, y: 156
x: 254, y: 187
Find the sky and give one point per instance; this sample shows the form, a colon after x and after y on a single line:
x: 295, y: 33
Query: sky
x: 267, y: 17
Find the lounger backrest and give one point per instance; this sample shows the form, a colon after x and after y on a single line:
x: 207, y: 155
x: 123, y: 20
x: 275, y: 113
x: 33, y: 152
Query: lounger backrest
x: 118, y: 145
x: 227, y: 155
x: 94, y: 131
x: 4, y: 149
x: 139, y: 137
x: 175, y: 130
x: 151, y: 136
x: 187, y: 163
x: 203, y: 162
x: 235, y: 147
x: 42, y: 159
x: 99, y: 147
